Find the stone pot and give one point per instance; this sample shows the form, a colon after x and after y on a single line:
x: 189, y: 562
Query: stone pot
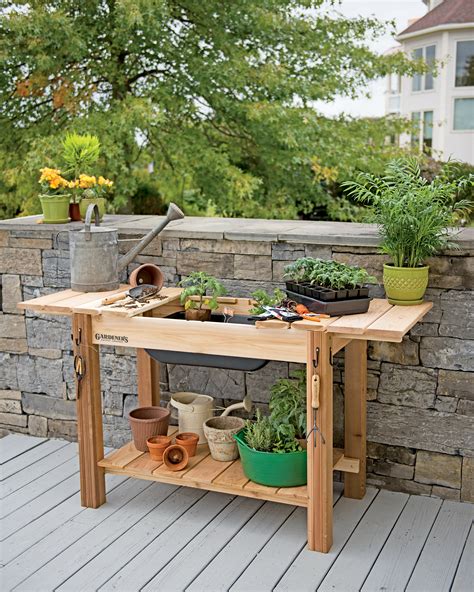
x: 55, y: 208
x: 175, y: 457
x: 188, y: 440
x: 405, y: 286
x: 198, y: 314
x: 220, y: 432
x: 157, y: 446
x: 146, y: 422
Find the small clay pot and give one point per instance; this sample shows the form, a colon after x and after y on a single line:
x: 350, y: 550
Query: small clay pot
x: 176, y: 457
x: 157, y: 445
x: 147, y: 274
x: 74, y: 212
x: 198, y: 314
x: 188, y: 440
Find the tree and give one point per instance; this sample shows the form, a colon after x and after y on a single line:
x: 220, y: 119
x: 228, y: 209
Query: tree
x: 217, y: 95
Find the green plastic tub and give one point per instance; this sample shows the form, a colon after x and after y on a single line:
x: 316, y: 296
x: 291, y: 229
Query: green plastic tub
x: 272, y: 468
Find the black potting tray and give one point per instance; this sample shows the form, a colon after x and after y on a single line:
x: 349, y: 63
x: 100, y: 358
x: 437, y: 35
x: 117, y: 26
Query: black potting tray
x: 326, y: 294
x: 209, y: 360
x: 333, y: 308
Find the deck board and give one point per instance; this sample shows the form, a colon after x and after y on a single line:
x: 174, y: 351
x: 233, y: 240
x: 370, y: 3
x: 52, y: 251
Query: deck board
x: 154, y: 536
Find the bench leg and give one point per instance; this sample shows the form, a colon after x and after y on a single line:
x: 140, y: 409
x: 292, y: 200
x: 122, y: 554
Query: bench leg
x: 355, y: 415
x: 89, y: 413
x: 148, y: 380
x: 320, y: 457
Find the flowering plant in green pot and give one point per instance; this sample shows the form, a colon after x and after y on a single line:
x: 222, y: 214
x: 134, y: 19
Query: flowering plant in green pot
x: 416, y: 219
x: 54, y: 197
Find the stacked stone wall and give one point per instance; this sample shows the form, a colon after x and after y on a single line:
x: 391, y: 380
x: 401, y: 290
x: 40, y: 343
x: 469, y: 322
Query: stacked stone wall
x: 420, y: 395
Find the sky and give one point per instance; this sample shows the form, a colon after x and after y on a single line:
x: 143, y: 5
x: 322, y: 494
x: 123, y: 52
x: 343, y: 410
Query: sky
x: 400, y: 11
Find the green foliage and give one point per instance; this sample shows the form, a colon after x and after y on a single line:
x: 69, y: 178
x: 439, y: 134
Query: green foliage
x: 415, y: 217
x: 80, y: 152
x: 216, y: 95
x: 260, y: 434
x: 262, y: 299
x: 288, y: 403
x: 329, y: 274
x: 203, y: 285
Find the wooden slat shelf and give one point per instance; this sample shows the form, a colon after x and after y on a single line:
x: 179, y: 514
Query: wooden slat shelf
x: 203, y: 472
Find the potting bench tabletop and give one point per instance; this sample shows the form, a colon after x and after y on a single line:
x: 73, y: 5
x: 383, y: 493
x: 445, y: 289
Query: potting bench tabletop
x: 109, y: 318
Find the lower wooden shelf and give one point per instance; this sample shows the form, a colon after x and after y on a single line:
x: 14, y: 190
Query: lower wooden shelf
x: 203, y: 472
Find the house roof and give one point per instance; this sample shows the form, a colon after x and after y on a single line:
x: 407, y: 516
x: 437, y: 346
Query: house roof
x: 448, y: 12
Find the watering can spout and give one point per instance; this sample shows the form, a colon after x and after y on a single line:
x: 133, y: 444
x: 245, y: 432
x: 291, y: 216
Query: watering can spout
x: 173, y: 213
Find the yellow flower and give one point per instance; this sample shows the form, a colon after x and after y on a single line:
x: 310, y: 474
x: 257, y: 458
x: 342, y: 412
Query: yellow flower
x: 86, y: 181
x: 48, y: 174
x: 105, y: 182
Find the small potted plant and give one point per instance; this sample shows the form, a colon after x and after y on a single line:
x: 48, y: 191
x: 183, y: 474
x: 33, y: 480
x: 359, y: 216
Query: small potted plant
x: 273, y: 448
x: 55, y: 196
x: 199, y: 295
x: 80, y: 153
x: 415, y: 219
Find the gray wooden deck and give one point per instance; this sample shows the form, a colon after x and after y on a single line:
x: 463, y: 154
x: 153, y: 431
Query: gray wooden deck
x: 152, y: 536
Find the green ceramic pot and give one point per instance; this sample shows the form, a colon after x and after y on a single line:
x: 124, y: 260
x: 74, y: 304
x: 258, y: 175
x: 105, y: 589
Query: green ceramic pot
x: 274, y: 469
x: 55, y: 208
x: 86, y: 201
x: 405, y: 285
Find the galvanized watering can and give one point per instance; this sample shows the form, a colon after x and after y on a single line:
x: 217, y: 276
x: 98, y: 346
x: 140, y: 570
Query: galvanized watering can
x: 95, y: 262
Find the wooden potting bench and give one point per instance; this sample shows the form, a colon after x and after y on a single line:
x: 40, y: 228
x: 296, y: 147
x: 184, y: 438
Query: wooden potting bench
x: 95, y: 323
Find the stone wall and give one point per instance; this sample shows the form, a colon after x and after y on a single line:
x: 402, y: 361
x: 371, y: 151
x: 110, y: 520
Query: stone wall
x: 421, y: 392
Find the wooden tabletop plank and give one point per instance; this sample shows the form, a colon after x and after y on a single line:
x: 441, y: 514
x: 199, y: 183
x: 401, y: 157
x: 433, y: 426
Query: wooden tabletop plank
x: 397, y: 321
x: 358, y: 323
x: 64, y: 302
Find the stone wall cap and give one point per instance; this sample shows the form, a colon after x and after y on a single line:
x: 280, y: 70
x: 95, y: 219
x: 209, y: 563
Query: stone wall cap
x: 242, y: 229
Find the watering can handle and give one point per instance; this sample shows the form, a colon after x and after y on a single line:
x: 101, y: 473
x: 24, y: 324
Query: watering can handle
x: 87, y: 229
x: 173, y: 412
x: 178, y: 405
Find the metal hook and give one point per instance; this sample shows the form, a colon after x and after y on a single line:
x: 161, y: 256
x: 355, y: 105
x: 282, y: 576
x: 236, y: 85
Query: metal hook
x: 77, y: 340
x: 316, y: 358
x: 330, y: 356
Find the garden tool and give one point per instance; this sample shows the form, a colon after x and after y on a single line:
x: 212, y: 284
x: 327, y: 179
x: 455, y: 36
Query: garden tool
x: 315, y: 407
x: 95, y: 262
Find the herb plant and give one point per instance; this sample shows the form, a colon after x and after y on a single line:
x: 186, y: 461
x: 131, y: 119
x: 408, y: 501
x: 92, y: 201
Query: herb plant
x: 205, y: 287
x: 262, y: 299
x: 288, y: 403
x: 414, y: 216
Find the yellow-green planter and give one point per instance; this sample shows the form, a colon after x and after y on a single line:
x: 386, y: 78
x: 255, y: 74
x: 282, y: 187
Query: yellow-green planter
x: 55, y: 208
x: 86, y: 201
x: 405, y: 285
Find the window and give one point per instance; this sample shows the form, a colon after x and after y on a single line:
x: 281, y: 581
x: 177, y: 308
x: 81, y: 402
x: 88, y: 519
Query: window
x: 424, y: 81
x: 422, y: 130
x: 415, y: 135
x: 463, y: 114
x: 465, y: 63
x: 427, y: 132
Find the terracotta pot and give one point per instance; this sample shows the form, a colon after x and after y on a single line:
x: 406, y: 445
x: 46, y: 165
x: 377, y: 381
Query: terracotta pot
x: 220, y: 433
x: 74, y: 212
x: 176, y: 457
x: 146, y: 422
x: 157, y: 445
x: 188, y: 440
x: 147, y: 274
x: 198, y: 314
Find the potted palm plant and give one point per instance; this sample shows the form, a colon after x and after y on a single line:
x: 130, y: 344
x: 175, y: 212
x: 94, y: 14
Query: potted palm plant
x: 199, y: 295
x: 415, y: 219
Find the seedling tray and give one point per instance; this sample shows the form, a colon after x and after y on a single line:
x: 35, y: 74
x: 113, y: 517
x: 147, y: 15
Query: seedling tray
x: 334, y: 308
x: 326, y: 294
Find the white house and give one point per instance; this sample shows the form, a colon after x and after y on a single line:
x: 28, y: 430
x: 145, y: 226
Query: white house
x: 442, y: 106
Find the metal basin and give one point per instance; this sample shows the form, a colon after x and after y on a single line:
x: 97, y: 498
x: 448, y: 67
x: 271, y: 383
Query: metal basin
x: 209, y: 360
